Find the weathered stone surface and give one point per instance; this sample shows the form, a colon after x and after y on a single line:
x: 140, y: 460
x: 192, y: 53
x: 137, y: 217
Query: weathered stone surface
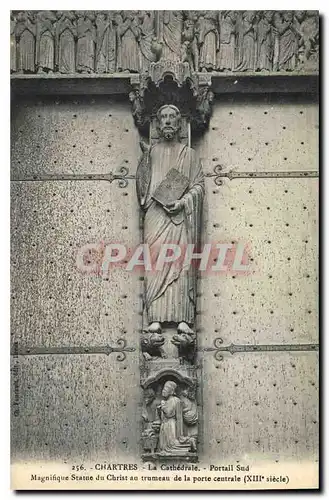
x: 71, y: 307
x: 81, y: 136
x: 77, y: 407
x: 277, y: 302
x: 272, y: 400
x: 263, y: 134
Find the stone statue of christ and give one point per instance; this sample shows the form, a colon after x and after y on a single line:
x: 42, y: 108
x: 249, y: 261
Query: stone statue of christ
x: 170, y: 294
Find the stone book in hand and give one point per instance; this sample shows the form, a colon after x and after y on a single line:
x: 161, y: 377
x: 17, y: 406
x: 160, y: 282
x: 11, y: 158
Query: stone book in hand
x: 171, y: 188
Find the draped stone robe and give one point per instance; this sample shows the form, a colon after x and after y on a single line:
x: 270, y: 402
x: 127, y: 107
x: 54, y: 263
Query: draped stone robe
x: 208, y: 40
x: 172, y: 35
x: 171, y: 437
x: 170, y: 294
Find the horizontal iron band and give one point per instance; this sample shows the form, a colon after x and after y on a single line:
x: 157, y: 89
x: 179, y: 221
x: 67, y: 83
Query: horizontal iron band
x: 121, y: 348
x: 262, y: 175
x: 124, y: 177
x: 217, y: 348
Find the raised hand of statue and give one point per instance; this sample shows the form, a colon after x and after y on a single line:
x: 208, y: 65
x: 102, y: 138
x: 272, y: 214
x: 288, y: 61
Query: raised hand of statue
x: 174, y: 207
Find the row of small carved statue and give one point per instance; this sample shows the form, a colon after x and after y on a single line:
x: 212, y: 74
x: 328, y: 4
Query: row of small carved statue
x: 114, y: 41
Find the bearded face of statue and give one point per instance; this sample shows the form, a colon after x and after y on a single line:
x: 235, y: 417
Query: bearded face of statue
x: 169, y: 122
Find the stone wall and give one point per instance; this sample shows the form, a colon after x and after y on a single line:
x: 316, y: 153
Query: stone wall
x: 73, y: 404
x: 262, y: 404
x: 86, y: 404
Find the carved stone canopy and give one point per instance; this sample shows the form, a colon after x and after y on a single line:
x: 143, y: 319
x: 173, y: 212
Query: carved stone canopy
x: 168, y: 83
x: 168, y: 374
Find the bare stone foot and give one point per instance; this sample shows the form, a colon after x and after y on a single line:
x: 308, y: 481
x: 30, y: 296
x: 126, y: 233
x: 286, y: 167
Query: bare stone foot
x: 154, y: 327
x: 184, y: 328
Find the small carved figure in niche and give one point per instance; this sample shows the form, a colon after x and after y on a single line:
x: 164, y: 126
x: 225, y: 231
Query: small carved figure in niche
x: 138, y: 109
x: 46, y: 41
x: 308, y: 29
x: 105, y: 42
x: 128, y: 38
x: 190, y: 416
x: 170, y: 293
x: 288, y: 40
x: 190, y: 49
x: 265, y: 41
x: 204, y: 108
x: 185, y: 343
x: 86, y: 34
x: 152, y: 344
x: 65, y: 35
x: 13, y: 50
x: 172, y: 34
x: 25, y: 34
x: 208, y: 40
x: 171, y: 436
x: 227, y: 32
x: 247, y: 42
x: 150, y: 50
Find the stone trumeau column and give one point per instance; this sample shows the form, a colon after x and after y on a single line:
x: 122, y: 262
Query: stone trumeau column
x: 169, y: 103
